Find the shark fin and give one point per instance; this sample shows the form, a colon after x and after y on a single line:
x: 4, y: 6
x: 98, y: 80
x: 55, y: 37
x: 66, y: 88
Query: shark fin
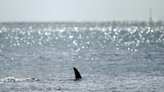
x: 77, y: 74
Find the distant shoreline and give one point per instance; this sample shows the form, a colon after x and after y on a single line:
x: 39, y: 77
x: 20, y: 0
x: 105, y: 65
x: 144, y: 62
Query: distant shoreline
x: 86, y: 23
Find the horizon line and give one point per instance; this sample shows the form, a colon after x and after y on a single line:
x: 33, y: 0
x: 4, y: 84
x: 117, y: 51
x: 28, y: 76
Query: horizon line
x: 139, y: 20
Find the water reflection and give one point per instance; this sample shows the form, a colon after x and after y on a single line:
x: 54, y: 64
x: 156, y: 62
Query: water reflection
x: 100, y: 34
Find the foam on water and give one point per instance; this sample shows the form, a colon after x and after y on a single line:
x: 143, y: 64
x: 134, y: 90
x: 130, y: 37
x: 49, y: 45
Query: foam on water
x: 111, y: 56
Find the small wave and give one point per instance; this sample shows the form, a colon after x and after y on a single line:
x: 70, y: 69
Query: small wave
x: 13, y: 79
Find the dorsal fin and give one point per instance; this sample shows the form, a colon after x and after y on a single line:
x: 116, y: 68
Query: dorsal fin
x: 77, y: 74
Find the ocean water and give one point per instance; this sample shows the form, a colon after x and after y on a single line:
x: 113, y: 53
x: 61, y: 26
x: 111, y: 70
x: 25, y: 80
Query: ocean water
x: 114, y: 56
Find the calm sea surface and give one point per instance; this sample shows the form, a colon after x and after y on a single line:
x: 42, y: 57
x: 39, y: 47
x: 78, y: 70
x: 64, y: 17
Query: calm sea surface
x: 111, y: 56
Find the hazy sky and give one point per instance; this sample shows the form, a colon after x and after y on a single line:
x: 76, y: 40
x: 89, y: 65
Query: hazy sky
x: 71, y: 10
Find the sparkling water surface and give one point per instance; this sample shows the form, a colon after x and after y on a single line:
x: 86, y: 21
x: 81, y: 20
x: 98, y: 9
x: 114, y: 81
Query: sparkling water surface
x: 111, y: 56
